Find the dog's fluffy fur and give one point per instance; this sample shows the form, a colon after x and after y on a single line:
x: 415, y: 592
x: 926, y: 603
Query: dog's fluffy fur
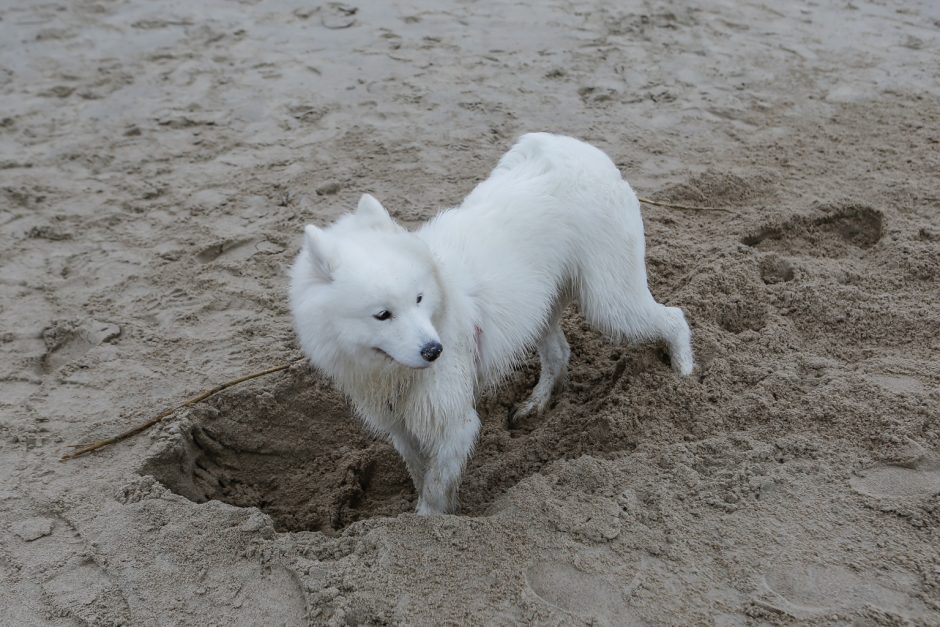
x: 489, y: 280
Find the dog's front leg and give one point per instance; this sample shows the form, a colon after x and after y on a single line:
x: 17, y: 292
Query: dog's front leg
x: 416, y: 461
x: 446, y: 465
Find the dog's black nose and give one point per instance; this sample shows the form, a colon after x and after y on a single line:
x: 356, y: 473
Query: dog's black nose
x: 431, y: 351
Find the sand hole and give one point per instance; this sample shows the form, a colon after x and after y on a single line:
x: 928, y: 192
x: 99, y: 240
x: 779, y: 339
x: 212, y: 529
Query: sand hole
x: 293, y: 449
x: 775, y: 269
x: 290, y: 446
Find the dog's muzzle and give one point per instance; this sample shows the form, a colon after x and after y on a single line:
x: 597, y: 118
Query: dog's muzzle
x: 431, y: 351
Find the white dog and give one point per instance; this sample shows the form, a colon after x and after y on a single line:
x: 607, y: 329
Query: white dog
x: 411, y: 325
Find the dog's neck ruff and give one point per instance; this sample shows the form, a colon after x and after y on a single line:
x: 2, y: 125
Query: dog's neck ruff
x: 379, y: 394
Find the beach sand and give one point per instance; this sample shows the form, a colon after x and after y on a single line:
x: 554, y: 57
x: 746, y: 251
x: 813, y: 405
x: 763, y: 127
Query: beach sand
x: 159, y: 160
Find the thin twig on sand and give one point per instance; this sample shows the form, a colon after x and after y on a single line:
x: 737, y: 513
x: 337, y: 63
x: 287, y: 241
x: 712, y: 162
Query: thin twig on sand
x: 673, y: 205
x: 82, y: 449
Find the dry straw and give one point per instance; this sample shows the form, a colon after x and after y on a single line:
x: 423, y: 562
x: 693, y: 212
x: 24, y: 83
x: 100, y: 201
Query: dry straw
x: 82, y: 449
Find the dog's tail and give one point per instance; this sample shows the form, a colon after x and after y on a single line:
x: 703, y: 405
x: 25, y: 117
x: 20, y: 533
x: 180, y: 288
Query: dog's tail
x: 528, y: 151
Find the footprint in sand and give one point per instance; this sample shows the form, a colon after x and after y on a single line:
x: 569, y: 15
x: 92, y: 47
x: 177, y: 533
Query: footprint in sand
x: 274, y: 597
x: 236, y: 250
x: 899, y: 482
x: 805, y: 591
x: 66, y: 341
x: 86, y: 593
x: 899, y: 384
x: 584, y: 594
x: 834, y: 234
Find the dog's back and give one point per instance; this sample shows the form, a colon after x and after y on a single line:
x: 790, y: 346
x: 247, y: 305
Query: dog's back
x: 554, y: 221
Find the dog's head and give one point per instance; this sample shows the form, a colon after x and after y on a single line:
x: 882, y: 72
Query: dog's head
x: 366, y: 290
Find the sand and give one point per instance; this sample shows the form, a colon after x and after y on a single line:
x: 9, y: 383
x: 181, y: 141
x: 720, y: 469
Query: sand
x: 158, y: 162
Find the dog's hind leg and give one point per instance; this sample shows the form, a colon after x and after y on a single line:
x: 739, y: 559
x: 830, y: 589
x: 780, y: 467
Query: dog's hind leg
x: 553, y: 361
x: 416, y: 461
x: 629, y: 312
x: 445, y: 466
x: 615, y: 298
x: 675, y: 331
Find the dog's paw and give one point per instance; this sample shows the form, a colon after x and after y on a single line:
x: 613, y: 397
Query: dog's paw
x: 426, y: 509
x: 682, y: 365
x: 523, y: 410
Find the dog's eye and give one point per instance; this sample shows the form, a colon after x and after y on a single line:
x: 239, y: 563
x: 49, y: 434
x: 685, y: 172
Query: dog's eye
x: 420, y: 297
x: 385, y: 314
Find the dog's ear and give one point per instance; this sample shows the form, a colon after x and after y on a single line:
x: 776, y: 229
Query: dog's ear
x: 321, y: 253
x: 372, y: 214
